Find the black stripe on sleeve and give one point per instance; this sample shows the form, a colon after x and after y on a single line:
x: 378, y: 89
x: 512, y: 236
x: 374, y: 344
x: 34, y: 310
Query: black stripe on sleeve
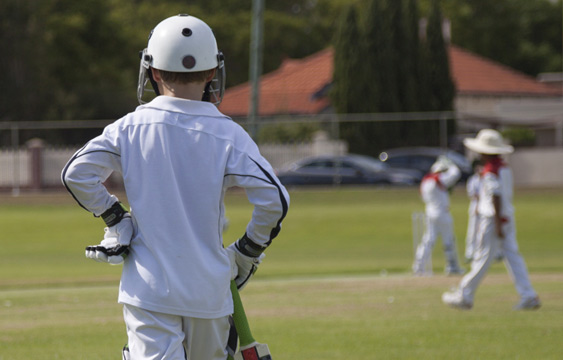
x: 65, y: 170
x: 275, y: 231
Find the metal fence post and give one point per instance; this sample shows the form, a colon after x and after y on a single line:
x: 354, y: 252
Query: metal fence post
x: 16, y: 160
x: 36, y: 147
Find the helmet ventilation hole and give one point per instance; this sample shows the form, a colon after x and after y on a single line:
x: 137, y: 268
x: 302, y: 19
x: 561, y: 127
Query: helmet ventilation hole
x: 188, y: 61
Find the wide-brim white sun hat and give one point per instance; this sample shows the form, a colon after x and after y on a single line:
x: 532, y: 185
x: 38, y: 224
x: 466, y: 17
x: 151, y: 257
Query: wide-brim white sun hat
x: 490, y: 142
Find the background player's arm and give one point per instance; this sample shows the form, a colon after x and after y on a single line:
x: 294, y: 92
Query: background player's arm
x: 450, y: 177
x: 498, y: 216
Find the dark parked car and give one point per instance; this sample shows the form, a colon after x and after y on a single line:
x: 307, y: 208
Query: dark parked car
x: 347, y: 169
x: 422, y: 158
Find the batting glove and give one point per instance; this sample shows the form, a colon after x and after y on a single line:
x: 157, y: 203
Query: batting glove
x: 246, y: 255
x: 114, y: 248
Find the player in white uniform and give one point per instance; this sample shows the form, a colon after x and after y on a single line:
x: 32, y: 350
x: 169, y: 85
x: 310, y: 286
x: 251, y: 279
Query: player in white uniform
x: 434, y: 190
x: 178, y: 155
x: 496, y: 226
x: 473, y: 187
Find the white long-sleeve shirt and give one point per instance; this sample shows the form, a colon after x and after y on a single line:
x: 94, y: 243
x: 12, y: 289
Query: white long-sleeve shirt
x: 434, y: 191
x: 177, y: 158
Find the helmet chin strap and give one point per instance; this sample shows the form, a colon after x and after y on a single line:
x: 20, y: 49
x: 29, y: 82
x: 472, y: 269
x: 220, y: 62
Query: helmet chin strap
x: 153, y: 83
x: 206, y: 93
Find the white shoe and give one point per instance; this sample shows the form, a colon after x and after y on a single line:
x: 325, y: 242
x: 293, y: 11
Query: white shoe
x: 528, y: 304
x: 454, y: 299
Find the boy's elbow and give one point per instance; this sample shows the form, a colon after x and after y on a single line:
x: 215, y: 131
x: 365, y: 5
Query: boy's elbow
x: 67, y: 175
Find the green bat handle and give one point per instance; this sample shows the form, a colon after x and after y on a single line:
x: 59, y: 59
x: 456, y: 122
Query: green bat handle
x: 239, y: 318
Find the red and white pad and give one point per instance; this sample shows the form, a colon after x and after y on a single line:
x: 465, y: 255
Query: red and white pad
x: 254, y: 351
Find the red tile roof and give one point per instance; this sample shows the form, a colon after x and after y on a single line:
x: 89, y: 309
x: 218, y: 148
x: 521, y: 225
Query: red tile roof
x: 474, y: 74
x: 291, y: 88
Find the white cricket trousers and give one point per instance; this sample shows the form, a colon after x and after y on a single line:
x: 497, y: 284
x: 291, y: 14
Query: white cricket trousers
x: 472, y: 224
x: 158, y: 336
x: 488, y: 244
x: 442, y: 226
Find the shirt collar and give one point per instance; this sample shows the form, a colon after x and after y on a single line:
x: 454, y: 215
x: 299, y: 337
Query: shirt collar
x: 192, y: 107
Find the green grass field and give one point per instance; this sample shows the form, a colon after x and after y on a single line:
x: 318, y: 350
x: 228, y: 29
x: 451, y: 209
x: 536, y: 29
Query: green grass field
x: 334, y: 285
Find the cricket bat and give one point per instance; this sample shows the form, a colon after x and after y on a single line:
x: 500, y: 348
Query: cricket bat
x: 249, y: 348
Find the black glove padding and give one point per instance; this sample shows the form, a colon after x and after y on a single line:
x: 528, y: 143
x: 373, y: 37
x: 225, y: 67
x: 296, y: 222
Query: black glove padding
x: 111, y: 253
x: 114, y: 248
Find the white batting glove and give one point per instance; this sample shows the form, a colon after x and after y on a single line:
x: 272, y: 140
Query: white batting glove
x: 114, y: 248
x: 246, y: 264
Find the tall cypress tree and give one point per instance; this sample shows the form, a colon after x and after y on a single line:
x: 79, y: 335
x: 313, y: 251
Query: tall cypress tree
x: 412, y: 58
x: 380, y: 77
x: 416, y: 81
x: 441, y: 85
x: 347, y: 75
x: 405, y: 45
x: 381, y: 54
x: 348, y: 87
x: 388, y: 69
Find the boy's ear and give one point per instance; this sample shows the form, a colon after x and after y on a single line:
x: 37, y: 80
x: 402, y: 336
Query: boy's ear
x: 211, y: 76
x: 156, y: 75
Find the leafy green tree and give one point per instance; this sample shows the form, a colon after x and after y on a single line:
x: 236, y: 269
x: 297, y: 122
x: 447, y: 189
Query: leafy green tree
x: 287, y: 133
x: 24, y: 92
x: 87, y: 55
x: 522, y: 34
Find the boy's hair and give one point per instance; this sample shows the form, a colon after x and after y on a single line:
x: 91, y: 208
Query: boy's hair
x: 185, y: 77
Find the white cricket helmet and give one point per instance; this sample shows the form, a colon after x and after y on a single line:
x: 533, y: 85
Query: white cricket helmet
x: 182, y: 43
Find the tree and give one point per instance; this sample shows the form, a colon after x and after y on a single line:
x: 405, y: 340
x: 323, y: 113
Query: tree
x: 24, y: 90
x: 348, y: 95
x: 380, y: 52
x: 441, y: 86
x: 87, y: 55
x: 412, y: 58
x: 400, y: 76
x: 522, y: 34
x: 349, y: 88
x: 438, y: 65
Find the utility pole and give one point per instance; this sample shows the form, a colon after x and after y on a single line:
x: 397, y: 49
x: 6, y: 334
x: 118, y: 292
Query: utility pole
x: 256, y: 46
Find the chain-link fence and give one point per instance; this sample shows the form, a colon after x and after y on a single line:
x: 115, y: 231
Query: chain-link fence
x: 32, y: 154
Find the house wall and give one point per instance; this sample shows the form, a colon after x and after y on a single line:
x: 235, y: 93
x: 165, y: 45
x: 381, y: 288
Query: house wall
x: 542, y: 114
x: 537, y: 167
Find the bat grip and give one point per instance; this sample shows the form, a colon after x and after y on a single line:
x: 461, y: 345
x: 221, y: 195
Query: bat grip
x: 239, y: 318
